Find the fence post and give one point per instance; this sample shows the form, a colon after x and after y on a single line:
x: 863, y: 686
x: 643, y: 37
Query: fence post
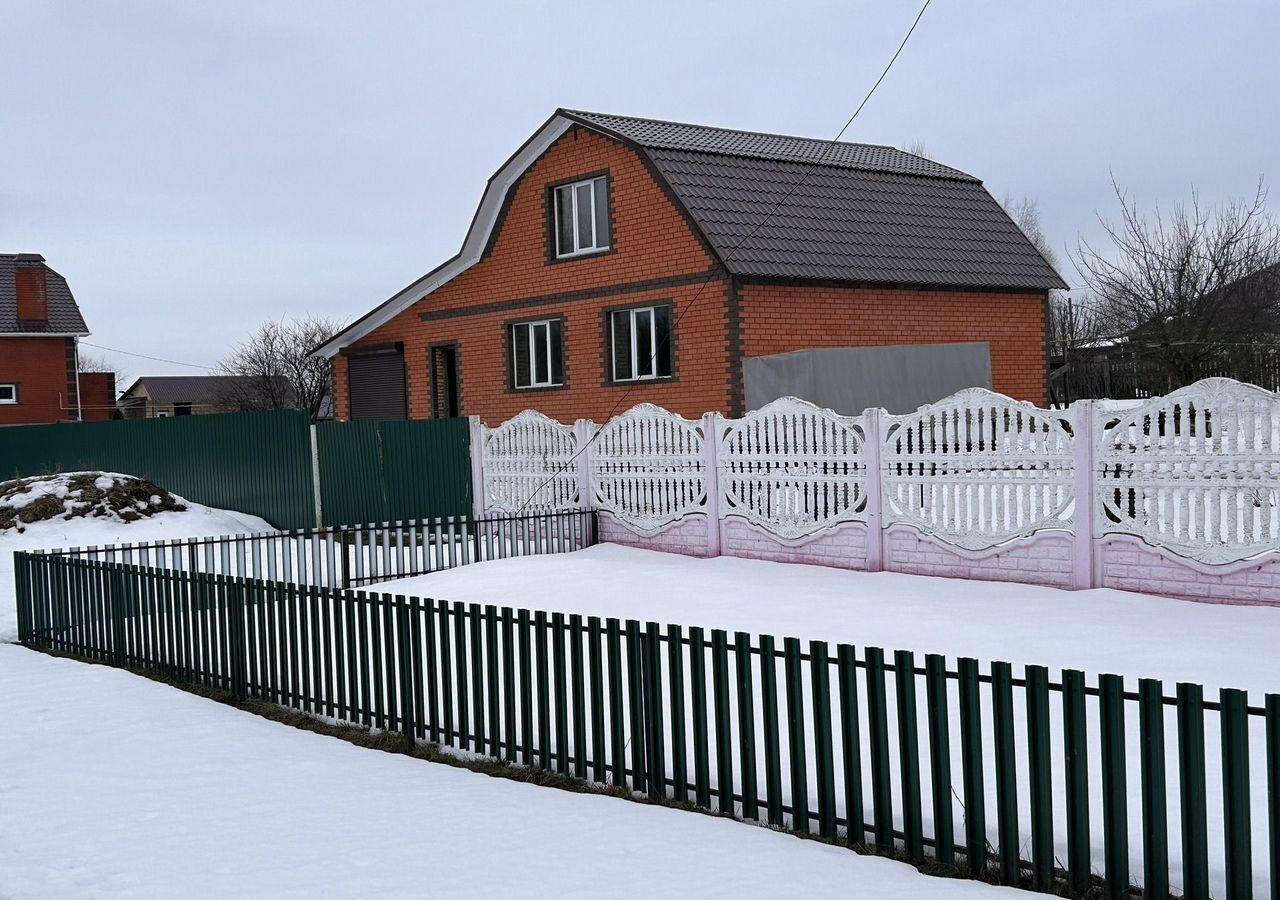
x: 1082, y: 567
x: 315, y: 477
x: 477, y: 466
x: 21, y: 591
x: 117, y: 601
x: 582, y: 435
x: 871, y: 446
x: 711, y: 438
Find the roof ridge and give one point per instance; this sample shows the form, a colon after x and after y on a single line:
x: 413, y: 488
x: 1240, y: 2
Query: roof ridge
x: 662, y: 134
x: 722, y: 128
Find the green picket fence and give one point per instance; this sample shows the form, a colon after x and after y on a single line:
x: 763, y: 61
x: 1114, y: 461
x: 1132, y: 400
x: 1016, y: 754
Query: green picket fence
x: 930, y: 759
x: 262, y: 463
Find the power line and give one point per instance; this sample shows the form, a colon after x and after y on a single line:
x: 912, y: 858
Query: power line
x: 173, y: 362
x: 734, y: 249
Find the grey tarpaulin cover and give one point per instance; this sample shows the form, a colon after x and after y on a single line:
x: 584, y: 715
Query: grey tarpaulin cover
x: 849, y: 380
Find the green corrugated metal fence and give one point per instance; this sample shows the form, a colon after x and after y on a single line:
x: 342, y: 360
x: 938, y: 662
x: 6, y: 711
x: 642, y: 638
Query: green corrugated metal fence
x: 394, y: 471
x: 253, y: 462
x: 261, y: 463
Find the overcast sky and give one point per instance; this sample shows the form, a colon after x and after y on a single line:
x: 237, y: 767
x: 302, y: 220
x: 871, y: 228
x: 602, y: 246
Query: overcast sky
x: 195, y: 168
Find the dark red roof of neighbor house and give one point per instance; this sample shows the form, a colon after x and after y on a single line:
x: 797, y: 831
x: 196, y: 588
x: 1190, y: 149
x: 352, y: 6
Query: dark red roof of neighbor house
x: 64, y: 314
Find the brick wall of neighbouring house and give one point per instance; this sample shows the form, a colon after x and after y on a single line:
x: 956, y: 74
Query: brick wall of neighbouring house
x: 98, y: 395
x: 652, y: 242
x: 44, y: 370
x: 1013, y: 324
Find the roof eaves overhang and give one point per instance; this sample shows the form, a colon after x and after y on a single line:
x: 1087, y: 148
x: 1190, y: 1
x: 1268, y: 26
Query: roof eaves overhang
x: 473, y: 246
x: 44, y: 334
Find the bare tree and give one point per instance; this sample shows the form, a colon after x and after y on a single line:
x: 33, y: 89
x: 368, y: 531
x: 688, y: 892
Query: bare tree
x: 277, y: 369
x: 917, y: 148
x: 1071, y: 321
x: 1193, y: 285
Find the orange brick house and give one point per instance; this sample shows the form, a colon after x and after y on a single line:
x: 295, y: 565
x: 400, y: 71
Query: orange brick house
x: 619, y: 260
x: 40, y: 330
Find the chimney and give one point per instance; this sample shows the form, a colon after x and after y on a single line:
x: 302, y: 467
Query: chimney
x: 33, y: 291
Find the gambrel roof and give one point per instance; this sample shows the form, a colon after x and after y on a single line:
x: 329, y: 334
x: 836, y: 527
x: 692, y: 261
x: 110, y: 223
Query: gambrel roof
x: 780, y: 207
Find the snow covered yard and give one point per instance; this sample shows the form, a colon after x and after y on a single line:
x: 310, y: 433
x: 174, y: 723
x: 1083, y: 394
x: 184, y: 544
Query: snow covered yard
x: 1099, y: 631
x: 184, y: 797
x: 73, y: 525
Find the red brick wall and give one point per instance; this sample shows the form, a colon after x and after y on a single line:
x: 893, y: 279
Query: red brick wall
x: 98, y: 394
x: 1013, y: 324
x: 651, y: 241
x: 44, y: 369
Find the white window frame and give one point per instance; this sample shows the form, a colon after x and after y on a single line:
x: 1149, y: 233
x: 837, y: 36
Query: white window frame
x: 533, y: 365
x: 634, y: 314
x: 598, y: 183
x: 12, y: 399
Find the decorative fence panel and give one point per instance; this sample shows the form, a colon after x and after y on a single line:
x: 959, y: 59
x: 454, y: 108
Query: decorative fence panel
x: 1180, y: 496
x: 792, y: 468
x: 981, y: 766
x: 1197, y: 472
x: 978, y: 469
x: 648, y: 467
x: 529, y: 465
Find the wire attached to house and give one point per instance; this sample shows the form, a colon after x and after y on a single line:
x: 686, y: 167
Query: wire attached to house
x: 734, y: 249
x: 172, y: 362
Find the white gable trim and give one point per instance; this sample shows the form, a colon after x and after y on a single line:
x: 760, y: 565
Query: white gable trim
x: 486, y: 217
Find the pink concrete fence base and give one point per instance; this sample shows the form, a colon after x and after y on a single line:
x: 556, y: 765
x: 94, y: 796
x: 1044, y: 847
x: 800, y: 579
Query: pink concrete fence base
x: 1128, y: 564
x: 1047, y: 558
x: 687, y: 536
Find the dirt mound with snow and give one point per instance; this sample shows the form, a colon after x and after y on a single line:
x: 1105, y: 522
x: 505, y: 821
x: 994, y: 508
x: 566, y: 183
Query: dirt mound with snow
x: 74, y: 495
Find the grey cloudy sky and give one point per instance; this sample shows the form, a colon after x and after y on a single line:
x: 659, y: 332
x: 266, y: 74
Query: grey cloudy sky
x: 195, y: 168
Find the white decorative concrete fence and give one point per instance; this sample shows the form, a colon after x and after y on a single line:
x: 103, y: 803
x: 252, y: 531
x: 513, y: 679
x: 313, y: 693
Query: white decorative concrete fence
x: 1180, y: 496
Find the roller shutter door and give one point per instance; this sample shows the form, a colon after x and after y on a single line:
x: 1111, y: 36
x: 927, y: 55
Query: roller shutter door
x: 376, y: 385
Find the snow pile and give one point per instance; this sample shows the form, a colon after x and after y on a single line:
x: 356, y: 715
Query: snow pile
x: 71, y: 495
x: 170, y: 518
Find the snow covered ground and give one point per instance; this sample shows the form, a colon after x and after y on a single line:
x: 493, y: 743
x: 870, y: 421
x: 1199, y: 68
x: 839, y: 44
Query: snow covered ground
x: 184, y: 797
x: 195, y: 521
x: 1099, y: 631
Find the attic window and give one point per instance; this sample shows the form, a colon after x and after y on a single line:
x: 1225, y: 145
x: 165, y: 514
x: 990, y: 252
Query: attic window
x: 581, y: 217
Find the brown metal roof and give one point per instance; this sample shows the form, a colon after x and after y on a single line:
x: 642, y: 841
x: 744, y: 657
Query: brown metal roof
x: 64, y: 314
x: 775, y: 206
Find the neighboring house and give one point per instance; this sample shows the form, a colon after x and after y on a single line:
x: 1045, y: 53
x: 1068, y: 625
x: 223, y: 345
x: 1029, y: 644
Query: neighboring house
x: 1229, y: 332
x: 40, y: 330
x: 161, y: 396
x: 613, y: 255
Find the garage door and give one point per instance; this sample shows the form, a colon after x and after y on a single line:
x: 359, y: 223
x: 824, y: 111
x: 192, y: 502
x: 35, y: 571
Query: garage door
x: 376, y: 385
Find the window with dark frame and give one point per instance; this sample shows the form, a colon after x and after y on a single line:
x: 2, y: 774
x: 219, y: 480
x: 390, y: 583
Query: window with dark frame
x: 641, y: 342
x: 537, y: 354
x: 8, y: 393
x: 581, y: 213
